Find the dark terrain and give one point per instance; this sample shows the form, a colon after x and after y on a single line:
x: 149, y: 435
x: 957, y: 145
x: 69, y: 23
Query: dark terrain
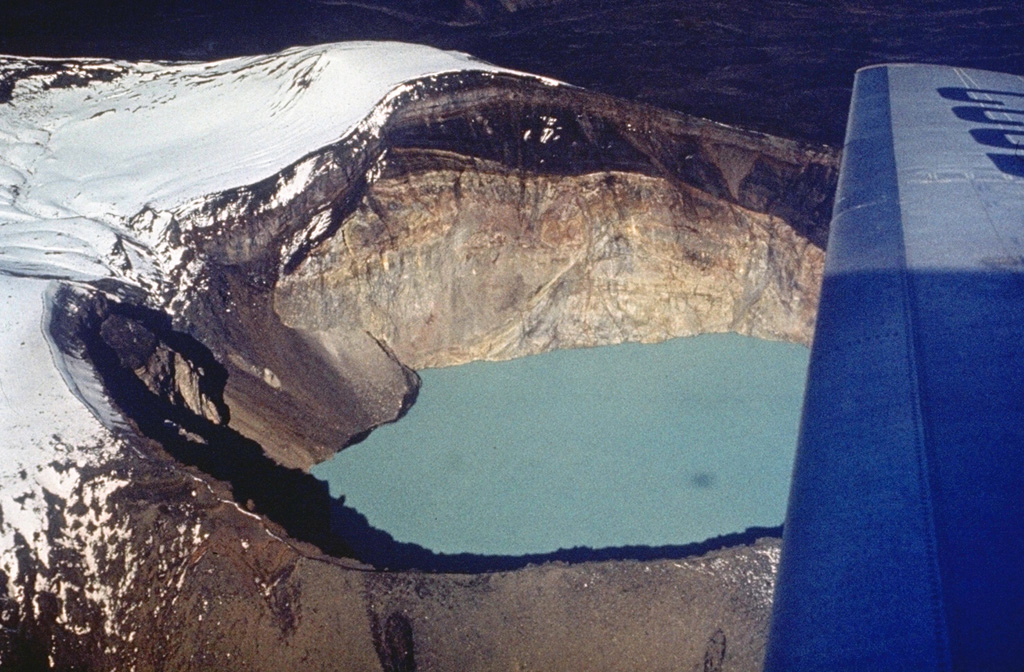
x: 781, y: 66
x: 227, y: 560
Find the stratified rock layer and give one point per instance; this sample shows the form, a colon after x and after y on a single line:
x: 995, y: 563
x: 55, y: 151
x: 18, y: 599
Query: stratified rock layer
x: 469, y: 261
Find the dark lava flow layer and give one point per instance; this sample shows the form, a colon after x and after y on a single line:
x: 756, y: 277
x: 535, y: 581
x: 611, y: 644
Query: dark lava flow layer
x: 779, y: 66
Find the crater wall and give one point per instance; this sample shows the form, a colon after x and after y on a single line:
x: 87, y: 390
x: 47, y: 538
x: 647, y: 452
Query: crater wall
x: 448, y: 259
x: 492, y: 217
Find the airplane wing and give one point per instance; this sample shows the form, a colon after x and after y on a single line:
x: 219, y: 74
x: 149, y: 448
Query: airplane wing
x: 904, y: 538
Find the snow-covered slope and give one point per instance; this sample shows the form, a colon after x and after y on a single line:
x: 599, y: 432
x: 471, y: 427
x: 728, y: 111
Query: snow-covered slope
x: 87, y: 145
x: 157, y: 135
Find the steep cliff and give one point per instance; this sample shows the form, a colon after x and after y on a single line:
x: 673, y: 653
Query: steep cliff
x: 448, y: 260
x: 494, y: 217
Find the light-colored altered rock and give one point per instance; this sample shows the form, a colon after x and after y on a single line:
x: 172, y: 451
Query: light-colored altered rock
x: 448, y: 266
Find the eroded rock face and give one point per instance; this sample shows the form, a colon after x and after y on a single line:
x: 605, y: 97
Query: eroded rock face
x: 454, y: 263
x: 166, y: 371
x: 493, y: 217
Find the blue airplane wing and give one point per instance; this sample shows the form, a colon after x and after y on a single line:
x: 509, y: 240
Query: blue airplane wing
x: 904, y: 539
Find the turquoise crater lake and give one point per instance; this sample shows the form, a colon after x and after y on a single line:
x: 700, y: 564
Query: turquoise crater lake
x: 633, y: 444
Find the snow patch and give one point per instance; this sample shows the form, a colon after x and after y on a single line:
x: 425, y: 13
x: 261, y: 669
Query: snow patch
x: 161, y: 134
x: 288, y: 187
